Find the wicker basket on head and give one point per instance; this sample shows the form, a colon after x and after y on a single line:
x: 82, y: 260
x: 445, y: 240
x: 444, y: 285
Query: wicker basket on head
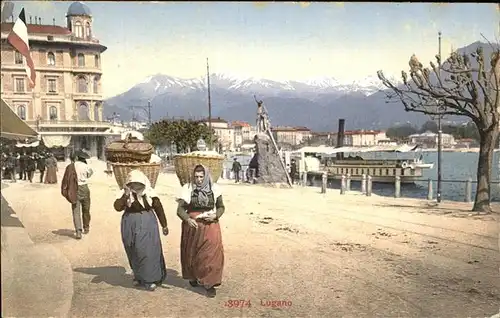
x: 121, y: 170
x: 129, y: 150
x: 185, y: 164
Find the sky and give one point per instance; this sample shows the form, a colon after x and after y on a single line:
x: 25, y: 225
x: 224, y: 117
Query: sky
x: 277, y: 41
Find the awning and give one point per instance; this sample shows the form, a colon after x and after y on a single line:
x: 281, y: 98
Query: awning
x: 13, y: 127
x: 56, y: 141
x: 28, y: 145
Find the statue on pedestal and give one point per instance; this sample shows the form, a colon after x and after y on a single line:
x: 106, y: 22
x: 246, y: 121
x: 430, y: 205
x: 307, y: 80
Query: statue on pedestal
x: 262, y: 117
x: 269, y: 165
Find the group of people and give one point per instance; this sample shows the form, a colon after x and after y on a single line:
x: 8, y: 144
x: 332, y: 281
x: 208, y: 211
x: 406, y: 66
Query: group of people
x: 23, y: 166
x: 253, y: 170
x: 199, y: 206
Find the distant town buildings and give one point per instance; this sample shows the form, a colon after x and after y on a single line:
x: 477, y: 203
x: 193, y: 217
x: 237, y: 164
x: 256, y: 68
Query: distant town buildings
x: 243, y: 132
x: 430, y: 140
x: 66, y: 105
x: 224, y: 132
x: 466, y: 143
x: 322, y: 138
x: 358, y: 138
x: 232, y: 136
x: 291, y: 135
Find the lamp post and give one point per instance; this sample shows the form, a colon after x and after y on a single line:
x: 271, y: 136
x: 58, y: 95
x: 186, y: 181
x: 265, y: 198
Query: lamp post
x: 440, y: 132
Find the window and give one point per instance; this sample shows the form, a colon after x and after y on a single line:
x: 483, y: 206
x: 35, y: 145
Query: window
x: 20, y: 85
x: 53, y: 113
x: 21, y: 112
x: 96, y: 60
x: 96, y: 85
x: 51, y: 59
x: 82, y: 84
x: 97, y: 112
x: 52, y: 85
x: 83, y: 112
x: 88, y: 32
x: 81, y: 60
x: 78, y: 29
x: 18, y: 58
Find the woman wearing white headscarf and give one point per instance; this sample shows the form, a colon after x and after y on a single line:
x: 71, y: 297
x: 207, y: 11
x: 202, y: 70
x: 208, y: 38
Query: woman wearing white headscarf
x: 140, y: 233
x: 202, y: 254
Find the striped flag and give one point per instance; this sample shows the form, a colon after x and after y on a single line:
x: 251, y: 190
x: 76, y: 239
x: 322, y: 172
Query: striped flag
x: 18, y: 38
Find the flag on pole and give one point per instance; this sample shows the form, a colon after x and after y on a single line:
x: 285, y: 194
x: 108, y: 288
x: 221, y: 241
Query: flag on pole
x: 18, y: 38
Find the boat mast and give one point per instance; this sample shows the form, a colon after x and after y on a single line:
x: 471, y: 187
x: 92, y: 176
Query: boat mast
x: 209, y: 109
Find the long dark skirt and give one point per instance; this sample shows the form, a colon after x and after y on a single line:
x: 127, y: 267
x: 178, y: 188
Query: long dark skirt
x: 202, y: 253
x: 141, y: 239
x: 51, y: 176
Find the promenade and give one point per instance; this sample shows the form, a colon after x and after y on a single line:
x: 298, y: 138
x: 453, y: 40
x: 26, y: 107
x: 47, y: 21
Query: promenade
x: 318, y: 255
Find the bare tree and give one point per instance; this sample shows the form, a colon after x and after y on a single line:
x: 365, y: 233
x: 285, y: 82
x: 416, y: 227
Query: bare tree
x: 458, y: 88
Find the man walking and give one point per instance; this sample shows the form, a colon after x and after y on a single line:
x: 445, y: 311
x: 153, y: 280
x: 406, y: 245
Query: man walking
x: 22, y: 166
x: 11, y: 167
x: 74, y: 187
x: 293, y: 171
x: 30, y: 167
x: 40, y: 164
x: 236, y: 170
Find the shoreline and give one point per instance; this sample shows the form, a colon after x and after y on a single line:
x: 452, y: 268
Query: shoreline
x: 464, y: 150
x: 354, y: 255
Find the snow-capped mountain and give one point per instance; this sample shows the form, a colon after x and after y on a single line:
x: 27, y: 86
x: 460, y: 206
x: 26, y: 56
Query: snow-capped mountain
x: 317, y: 103
x: 232, y: 98
x: 161, y: 84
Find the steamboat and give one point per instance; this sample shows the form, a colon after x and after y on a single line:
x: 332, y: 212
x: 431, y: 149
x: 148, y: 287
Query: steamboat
x: 381, y: 170
x: 316, y: 160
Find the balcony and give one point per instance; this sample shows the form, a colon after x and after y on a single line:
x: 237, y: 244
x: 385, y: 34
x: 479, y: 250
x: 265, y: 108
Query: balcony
x: 87, y: 96
x: 85, y: 69
x: 45, y: 123
x: 85, y: 39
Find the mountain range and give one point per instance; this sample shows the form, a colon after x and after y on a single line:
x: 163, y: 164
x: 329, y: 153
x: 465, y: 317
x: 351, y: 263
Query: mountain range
x: 315, y: 103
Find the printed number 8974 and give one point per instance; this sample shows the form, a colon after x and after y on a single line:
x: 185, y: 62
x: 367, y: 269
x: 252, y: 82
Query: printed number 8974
x: 237, y: 303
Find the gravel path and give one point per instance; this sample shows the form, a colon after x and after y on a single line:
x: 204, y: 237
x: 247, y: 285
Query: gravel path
x: 291, y: 253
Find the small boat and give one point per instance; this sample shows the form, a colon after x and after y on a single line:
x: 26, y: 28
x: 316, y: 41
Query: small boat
x: 381, y: 170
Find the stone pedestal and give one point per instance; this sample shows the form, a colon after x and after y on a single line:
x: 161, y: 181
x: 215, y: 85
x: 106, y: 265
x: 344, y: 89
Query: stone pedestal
x: 270, y: 169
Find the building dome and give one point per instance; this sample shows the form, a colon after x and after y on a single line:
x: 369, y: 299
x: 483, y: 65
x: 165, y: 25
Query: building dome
x: 78, y: 8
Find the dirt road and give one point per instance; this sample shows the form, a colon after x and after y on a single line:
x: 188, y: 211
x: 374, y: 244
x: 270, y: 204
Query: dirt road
x: 289, y: 253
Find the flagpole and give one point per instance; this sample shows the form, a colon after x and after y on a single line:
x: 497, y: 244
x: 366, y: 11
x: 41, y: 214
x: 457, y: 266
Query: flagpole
x: 209, y: 109
x: 18, y: 38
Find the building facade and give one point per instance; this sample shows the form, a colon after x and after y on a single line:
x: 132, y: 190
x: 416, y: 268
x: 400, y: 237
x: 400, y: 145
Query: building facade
x: 66, y: 105
x: 243, y: 133
x: 322, y: 138
x: 430, y: 140
x: 360, y: 138
x: 224, y: 133
x: 291, y: 135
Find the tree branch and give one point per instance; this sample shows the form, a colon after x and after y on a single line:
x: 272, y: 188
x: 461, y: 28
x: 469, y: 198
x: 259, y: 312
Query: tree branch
x: 463, y: 90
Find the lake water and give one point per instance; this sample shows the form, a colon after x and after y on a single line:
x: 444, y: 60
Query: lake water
x: 455, y: 166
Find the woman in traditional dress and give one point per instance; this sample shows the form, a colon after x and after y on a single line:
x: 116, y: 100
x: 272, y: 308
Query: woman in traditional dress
x: 140, y: 233
x: 202, y: 253
x: 51, y: 164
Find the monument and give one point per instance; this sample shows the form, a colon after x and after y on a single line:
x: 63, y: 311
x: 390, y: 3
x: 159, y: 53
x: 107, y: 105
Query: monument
x: 270, y: 166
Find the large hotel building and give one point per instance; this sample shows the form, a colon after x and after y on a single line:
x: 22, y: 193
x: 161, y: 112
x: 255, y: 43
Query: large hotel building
x: 66, y: 105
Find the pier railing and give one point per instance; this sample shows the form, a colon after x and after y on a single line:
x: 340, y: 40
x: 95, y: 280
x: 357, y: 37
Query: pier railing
x: 367, y: 185
x: 247, y: 175
x: 307, y: 179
